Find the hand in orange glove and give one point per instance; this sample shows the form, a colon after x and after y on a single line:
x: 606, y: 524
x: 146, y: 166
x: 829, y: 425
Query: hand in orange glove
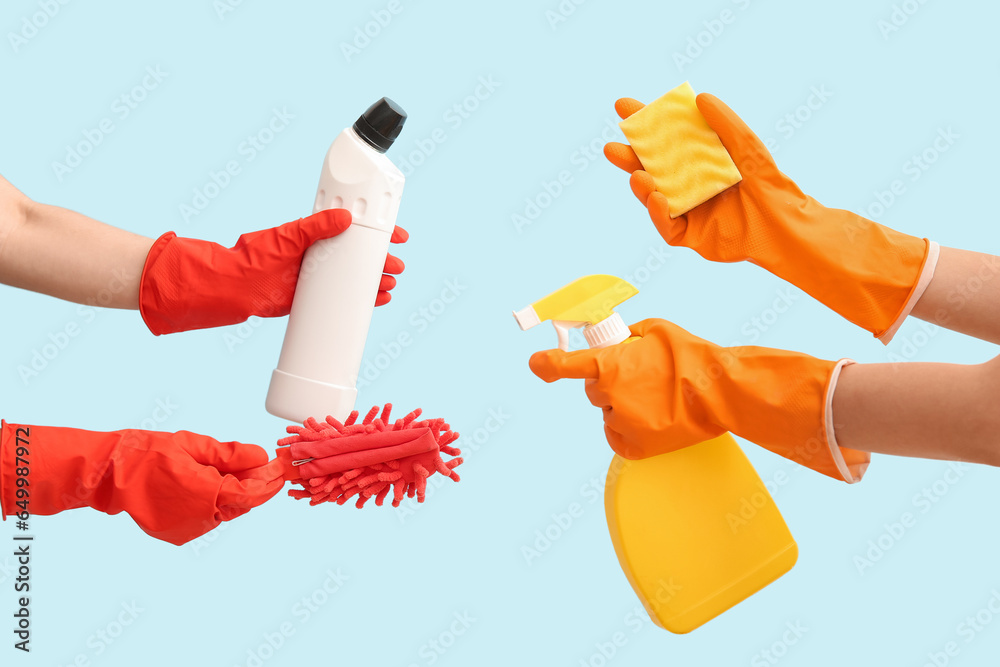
x: 176, y: 486
x: 665, y: 389
x: 869, y: 274
x: 192, y: 284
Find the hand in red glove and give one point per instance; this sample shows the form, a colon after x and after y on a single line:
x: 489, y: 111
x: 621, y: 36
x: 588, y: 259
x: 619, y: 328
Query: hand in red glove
x: 393, y: 267
x: 193, y: 284
x: 176, y: 486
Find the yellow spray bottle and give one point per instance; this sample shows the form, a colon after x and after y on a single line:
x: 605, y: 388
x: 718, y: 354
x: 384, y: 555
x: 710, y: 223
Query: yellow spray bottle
x: 695, y: 530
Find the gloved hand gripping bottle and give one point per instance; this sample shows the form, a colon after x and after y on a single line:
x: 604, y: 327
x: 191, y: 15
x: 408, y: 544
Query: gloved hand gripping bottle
x: 695, y: 529
x: 339, y: 279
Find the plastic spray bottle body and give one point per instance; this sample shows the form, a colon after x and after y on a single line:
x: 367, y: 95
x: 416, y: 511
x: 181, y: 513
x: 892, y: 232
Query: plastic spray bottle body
x: 695, y: 530
x: 338, y: 282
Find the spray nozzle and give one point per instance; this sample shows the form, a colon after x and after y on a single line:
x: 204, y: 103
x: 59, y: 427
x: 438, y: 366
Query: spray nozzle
x: 586, y: 303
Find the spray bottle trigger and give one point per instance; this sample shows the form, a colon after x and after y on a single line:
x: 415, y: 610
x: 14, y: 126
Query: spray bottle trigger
x: 562, y: 331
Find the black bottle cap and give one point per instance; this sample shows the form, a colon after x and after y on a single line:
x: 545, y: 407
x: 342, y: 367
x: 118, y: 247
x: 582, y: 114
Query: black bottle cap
x: 381, y: 124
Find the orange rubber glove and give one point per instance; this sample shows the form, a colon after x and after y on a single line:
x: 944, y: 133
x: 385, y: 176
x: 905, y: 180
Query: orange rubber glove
x: 193, y: 284
x: 868, y: 273
x: 665, y: 389
x: 176, y: 486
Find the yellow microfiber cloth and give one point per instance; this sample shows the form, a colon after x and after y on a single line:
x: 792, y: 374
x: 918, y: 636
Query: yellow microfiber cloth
x: 680, y: 151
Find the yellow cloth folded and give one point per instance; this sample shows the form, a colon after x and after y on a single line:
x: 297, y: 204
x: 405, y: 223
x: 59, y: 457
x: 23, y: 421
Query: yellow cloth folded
x: 680, y: 151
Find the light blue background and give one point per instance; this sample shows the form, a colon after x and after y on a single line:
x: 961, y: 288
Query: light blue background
x: 211, y: 602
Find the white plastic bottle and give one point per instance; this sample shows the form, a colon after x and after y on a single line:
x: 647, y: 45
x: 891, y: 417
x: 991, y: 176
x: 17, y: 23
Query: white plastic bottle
x: 335, y: 295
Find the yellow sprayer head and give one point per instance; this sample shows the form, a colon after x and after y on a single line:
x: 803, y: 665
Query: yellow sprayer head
x: 588, y: 302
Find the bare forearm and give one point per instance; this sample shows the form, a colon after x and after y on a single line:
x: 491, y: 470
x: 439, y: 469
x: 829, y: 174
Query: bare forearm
x: 964, y: 294
x: 934, y: 411
x: 67, y: 255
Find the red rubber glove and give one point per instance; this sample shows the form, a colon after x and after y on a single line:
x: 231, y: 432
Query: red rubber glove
x: 393, y: 267
x: 193, y: 284
x: 176, y: 486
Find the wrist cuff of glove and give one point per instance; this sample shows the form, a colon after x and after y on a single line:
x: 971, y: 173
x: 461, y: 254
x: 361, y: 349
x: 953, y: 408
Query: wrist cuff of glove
x: 11, y: 435
x: 926, y: 274
x: 4, y: 485
x: 151, y: 296
x: 851, y: 463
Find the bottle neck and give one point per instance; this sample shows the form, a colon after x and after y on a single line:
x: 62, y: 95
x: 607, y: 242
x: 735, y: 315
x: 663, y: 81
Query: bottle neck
x: 609, y: 331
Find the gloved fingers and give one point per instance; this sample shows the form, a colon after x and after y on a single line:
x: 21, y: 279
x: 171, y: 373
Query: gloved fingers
x: 385, y: 284
x: 393, y: 265
x: 248, y: 238
x: 226, y: 457
x: 671, y: 229
x: 671, y: 336
x: 236, y: 496
x: 622, y: 156
x: 322, y: 225
x: 303, y: 232
x: 270, y: 471
x: 399, y: 235
x: 552, y: 365
x: 247, y: 493
x: 597, y: 394
x: 642, y: 185
x: 619, y: 443
x: 229, y: 512
x: 746, y: 149
x: 615, y: 424
x: 647, y: 327
x: 626, y: 106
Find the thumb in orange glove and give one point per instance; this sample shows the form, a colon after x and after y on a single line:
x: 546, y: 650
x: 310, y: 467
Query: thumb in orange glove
x: 665, y: 389
x: 176, y: 486
x: 868, y: 273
